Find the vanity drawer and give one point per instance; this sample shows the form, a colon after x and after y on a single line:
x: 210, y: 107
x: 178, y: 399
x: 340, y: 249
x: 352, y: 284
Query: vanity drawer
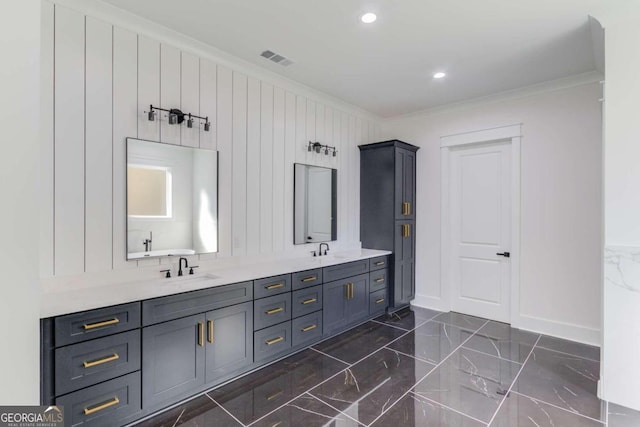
x: 88, y: 363
x: 271, y: 341
x: 379, y: 262
x: 304, y: 279
x: 105, y: 404
x: 337, y: 272
x: 378, y: 302
x: 306, y: 301
x: 271, y: 311
x: 271, y: 286
x: 78, y: 327
x: 175, y: 306
x: 306, y: 329
x: 378, y: 280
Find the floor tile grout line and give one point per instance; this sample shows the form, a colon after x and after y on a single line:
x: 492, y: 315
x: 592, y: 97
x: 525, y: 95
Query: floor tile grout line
x: 568, y: 354
x: 413, y: 357
x: 336, y: 409
x: 515, y: 379
x: 328, y: 355
x: 430, y: 372
x: 453, y: 410
x: 225, y: 410
x: 330, y: 378
x: 179, y: 416
x: 392, y: 326
x: 559, y: 407
x: 493, y: 355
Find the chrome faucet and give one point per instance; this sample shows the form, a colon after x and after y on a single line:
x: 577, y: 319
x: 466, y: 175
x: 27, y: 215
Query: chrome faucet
x: 147, y: 242
x: 320, y: 249
x: 186, y: 265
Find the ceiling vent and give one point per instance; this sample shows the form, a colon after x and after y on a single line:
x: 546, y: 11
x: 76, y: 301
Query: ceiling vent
x: 277, y: 58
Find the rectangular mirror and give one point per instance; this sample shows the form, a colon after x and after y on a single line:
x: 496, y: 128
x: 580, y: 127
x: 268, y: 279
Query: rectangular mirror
x: 315, y: 204
x: 172, y: 200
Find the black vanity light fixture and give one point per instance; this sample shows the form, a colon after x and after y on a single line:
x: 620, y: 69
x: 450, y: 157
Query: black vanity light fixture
x: 318, y: 148
x: 176, y: 117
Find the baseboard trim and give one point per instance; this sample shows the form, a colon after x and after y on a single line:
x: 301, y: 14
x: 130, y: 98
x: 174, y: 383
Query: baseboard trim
x: 563, y: 330
x: 432, y: 303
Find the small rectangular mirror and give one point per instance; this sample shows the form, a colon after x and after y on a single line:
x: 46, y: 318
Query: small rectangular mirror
x: 315, y: 204
x: 172, y: 200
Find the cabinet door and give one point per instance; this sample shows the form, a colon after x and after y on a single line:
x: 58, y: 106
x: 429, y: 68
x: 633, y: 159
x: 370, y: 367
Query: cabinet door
x: 358, y: 303
x: 404, y: 287
x: 229, y: 339
x: 405, y: 186
x: 409, y: 183
x: 173, y: 360
x: 334, y: 306
x: 404, y: 240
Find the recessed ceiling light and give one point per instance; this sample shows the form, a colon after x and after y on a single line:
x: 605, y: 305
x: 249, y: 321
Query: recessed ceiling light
x: 439, y: 75
x: 368, y: 18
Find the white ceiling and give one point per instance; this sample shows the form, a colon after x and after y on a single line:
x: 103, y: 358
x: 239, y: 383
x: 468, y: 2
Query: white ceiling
x: 485, y: 46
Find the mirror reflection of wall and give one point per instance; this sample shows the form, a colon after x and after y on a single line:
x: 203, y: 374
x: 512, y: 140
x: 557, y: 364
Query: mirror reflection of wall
x: 171, y: 200
x: 315, y: 206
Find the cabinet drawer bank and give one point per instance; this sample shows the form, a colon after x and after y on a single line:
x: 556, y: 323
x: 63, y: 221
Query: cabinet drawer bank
x: 110, y: 366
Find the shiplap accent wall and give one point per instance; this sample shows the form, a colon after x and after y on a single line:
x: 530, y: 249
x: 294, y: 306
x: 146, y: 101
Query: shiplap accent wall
x: 104, y: 78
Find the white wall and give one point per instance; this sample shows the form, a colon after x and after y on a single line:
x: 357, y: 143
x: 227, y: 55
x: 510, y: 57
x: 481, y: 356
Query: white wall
x: 19, y: 118
x: 109, y: 74
x: 560, y: 201
x: 621, y: 306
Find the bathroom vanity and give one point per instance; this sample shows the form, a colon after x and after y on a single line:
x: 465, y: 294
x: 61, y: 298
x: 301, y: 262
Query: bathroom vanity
x: 112, y: 355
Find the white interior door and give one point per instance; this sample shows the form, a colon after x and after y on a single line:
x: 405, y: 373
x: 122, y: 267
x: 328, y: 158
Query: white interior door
x: 480, y: 209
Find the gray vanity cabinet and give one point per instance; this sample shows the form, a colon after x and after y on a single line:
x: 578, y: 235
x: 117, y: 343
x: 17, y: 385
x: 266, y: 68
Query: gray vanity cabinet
x: 229, y: 343
x: 387, y: 212
x: 345, y: 303
x: 173, y: 360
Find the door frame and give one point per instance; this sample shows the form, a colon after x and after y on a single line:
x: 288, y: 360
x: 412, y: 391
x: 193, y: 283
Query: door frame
x: 512, y: 134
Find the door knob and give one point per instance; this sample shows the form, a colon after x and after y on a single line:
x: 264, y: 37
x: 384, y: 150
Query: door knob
x: 504, y: 254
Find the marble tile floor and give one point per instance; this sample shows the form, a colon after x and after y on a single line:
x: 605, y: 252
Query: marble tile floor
x: 416, y: 368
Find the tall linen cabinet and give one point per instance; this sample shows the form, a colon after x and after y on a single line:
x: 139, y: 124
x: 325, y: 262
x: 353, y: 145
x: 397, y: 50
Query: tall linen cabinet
x: 387, y: 211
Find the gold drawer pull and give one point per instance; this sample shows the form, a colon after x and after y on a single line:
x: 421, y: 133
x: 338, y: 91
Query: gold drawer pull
x: 308, y: 328
x: 379, y: 300
x: 111, y: 358
x: 380, y: 280
x: 105, y: 405
x: 379, y: 263
x: 309, y: 279
x: 274, y: 311
x: 210, y: 331
x: 274, y: 341
x: 275, y: 395
x: 309, y: 301
x: 89, y: 326
x: 201, y: 334
x: 276, y: 286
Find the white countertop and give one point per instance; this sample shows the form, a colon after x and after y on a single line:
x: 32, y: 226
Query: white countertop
x: 64, y: 301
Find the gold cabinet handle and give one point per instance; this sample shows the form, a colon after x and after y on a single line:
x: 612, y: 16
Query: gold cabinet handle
x: 111, y: 358
x: 408, y: 208
x: 309, y: 279
x: 275, y: 286
x: 408, y: 230
x: 89, y: 326
x: 210, y: 331
x: 308, y: 328
x: 309, y: 301
x: 380, y: 280
x: 274, y: 341
x: 274, y: 311
x: 346, y: 288
x: 201, y: 334
x: 379, y: 263
x: 275, y: 395
x: 105, y: 405
x: 379, y: 300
